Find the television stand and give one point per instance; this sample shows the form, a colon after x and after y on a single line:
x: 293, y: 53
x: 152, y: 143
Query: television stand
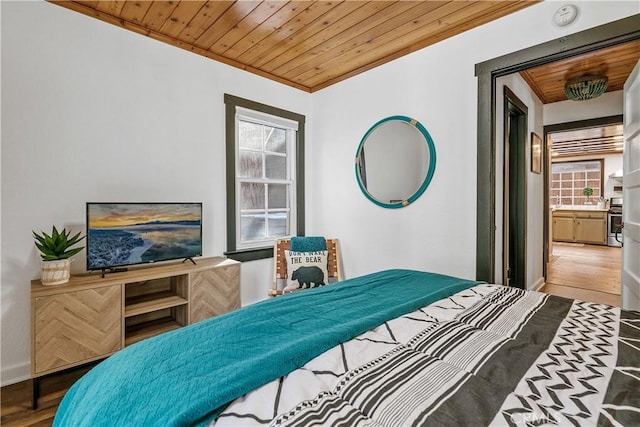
x: 95, y: 317
x: 189, y: 259
x: 112, y: 270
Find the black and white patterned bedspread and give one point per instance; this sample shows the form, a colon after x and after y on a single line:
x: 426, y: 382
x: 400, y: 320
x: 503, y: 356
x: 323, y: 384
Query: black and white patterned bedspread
x: 490, y: 355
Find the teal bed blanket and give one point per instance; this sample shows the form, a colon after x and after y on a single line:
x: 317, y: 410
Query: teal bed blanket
x: 188, y: 376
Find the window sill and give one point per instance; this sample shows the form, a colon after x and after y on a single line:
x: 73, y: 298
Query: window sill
x: 250, y: 254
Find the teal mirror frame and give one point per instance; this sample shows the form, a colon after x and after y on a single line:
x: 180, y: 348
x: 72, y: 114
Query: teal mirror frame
x: 430, y: 171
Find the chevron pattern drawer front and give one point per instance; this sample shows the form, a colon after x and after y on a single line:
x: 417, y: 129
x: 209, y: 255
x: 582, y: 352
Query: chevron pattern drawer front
x: 76, y: 327
x: 214, y: 292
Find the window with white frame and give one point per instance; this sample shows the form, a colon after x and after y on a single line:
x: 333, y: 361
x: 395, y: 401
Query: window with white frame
x: 267, y: 147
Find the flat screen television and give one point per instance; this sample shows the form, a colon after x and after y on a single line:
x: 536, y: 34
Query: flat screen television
x: 122, y: 234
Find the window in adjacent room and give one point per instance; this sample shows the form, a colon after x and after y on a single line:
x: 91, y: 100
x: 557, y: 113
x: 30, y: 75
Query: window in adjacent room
x: 568, y: 180
x: 265, y: 185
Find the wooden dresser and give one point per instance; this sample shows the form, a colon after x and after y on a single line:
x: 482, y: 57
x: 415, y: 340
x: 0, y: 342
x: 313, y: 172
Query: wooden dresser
x: 92, y: 317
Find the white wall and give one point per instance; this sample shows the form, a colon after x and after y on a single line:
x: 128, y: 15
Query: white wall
x: 134, y: 119
x: 1, y: 240
x: 535, y: 182
x: 436, y: 86
x: 612, y: 164
x: 91, y: 112
x: 607, y: 104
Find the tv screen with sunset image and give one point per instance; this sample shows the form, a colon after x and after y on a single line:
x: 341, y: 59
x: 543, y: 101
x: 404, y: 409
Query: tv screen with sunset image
x: 120, y: 234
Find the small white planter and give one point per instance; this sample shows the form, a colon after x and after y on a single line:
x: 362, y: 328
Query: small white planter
x: 56, y: 272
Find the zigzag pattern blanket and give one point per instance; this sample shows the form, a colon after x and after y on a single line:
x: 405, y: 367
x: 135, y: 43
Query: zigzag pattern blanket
x: 489, y: 355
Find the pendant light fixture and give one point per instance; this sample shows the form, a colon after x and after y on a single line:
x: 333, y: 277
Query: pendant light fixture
x: 586, y: 87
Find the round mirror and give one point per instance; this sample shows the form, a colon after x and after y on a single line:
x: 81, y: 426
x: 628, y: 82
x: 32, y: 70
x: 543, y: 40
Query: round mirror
x: 395, y: 161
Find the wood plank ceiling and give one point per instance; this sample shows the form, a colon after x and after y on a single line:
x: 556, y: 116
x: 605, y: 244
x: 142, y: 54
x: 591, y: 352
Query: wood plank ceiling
x: 305, y: 44
x: 589, y: 141
x: 616, y: 62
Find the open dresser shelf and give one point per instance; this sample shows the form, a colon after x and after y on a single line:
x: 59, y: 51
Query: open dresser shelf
x: 149, y: 329
x: 159, y: 301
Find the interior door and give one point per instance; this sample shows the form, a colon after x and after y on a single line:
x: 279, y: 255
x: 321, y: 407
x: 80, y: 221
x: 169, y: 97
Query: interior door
x: 515, y: 192
x: 630, y: 295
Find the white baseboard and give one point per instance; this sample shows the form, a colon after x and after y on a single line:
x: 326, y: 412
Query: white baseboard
x: 15, y: 374
x: 539, y: 284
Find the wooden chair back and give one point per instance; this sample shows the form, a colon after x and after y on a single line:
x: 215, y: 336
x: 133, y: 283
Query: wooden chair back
x: 334, y: 269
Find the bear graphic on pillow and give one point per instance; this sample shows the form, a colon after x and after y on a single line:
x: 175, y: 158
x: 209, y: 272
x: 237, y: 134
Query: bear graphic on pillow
x: 306, y: 269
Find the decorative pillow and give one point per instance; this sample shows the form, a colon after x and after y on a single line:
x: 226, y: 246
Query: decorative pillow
x: 306, y: 269
x: 308, y: 244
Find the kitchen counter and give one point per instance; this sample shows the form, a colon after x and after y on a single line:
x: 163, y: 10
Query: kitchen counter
x: 578, y: 208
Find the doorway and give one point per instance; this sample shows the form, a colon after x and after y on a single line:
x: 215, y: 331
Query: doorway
x: 591, y: 40
x: 580, y: 264
x: 515, y: 191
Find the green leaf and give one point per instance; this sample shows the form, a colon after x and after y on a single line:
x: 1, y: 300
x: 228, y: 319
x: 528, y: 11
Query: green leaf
x: 44, y: 249
x: 75, y: 239
x: 62, y: 238
x: 71, y: 252
x: 39, y: 238
x: 49, y: 242
x: 61, y: 246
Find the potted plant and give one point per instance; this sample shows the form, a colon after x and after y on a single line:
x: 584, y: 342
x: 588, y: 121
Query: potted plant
x: 587, y: 191
x: 56, y: 251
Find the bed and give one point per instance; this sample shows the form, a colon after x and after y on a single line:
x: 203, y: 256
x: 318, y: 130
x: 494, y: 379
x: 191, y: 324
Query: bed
x: 393, y: 348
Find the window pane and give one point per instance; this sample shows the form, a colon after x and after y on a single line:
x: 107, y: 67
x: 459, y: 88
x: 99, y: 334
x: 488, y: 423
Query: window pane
x: 276, y: 167
x: 252, y: 227
x: 593, y: 175
x: 595, y: 184
x: 277, y: 194
x: 252, y: 195
x: 278, y: 224
x: 574, y: 177
x: 249, y: 164
x: 276, y: 140
x: 250, y: 135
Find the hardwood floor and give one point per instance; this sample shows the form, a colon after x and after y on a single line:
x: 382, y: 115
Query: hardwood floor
x: 15, y: 410
x: 586, y: 272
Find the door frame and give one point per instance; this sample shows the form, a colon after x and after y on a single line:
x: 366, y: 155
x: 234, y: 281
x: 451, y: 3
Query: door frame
x: 514, y: 106
x: 610, y: 34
